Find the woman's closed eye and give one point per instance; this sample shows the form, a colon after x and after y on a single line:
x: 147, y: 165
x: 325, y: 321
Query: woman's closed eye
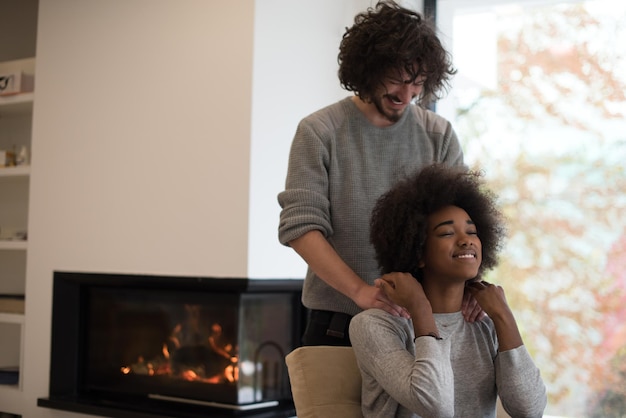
x: 445, y: 233
x: 452, y: 233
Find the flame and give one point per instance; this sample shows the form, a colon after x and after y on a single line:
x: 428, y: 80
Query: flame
x: 189, y: 375
x: 232, y: 373
x: 162, y: 365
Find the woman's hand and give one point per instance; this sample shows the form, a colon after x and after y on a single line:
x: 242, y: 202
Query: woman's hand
x: 493, y: 301
x: 402, y: 289
x: 488, y: 296
x: 472, y: 310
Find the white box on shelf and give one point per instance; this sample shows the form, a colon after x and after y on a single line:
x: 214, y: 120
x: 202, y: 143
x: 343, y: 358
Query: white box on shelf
x: 16, y: 82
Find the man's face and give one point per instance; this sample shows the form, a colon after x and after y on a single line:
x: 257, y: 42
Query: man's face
x: 396, y: 93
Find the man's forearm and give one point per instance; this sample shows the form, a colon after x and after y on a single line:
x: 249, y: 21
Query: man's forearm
x: 326, y: 263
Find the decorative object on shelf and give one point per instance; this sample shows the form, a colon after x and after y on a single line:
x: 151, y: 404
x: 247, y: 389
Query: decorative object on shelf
x: 15, y: 83
x: 12, y: 303
x: 22, y: 157
x: 7, y: 158
x: 12, y: 234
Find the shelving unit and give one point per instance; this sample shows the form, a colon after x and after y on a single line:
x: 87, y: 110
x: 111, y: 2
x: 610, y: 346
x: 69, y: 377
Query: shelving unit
x: 15, y: 132
x: 18, y: 23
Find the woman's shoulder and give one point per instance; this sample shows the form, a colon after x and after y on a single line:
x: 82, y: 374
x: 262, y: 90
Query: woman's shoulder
x: 486, y: 328
x: 375, y: 331
x: 373, y: 314
x: 375, y: 320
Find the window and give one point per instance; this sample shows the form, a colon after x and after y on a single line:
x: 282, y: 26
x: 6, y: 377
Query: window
x: 539, y: 105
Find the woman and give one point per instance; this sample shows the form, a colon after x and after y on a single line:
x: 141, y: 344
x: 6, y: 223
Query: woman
x: 435, y: 234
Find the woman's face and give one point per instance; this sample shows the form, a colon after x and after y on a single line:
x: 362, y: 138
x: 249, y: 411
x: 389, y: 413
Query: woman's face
x: 453, y: 251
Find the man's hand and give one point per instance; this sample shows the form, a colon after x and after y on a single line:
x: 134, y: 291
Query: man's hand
x: 326, y: 263
x: 375, y: 297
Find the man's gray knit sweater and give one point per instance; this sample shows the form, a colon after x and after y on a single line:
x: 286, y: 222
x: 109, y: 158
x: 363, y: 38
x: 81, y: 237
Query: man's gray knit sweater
x: 339, y: 165
x: 460, y: 375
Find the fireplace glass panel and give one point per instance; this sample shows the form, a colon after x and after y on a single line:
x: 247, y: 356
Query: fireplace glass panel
x: 224, y: 347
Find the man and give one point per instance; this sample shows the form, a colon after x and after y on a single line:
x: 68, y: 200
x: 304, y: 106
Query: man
x: 344, y: 156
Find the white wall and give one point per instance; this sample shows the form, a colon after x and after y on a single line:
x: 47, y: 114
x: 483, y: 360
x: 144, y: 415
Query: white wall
x: 295, y: 74
x: 146, y: 113
x: 141, y: 148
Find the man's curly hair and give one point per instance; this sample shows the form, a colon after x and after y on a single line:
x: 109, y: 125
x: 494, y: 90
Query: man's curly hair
x: 399, y: 218
x: 390, y: 38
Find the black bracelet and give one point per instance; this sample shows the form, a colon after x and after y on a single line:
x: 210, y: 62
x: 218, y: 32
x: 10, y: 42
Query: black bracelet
x: 430, y: 334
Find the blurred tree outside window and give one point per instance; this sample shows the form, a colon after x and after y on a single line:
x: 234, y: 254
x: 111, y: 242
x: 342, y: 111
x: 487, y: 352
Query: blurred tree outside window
x: 539, y: 105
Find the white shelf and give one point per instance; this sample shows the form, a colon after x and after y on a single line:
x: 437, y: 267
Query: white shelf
x: 13, y: 245
x: 12, y: 318
x: 19, y: 171
x: 9, y: 389
x: 18, y: 98
x: 17, y: 104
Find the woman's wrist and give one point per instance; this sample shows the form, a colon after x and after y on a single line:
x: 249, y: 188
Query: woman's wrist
x: 430, y: 334
x: 423, y: 319
x: 420, y: 308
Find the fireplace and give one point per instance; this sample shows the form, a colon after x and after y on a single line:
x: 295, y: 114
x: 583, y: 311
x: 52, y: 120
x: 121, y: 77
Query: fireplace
x: 144, y: 345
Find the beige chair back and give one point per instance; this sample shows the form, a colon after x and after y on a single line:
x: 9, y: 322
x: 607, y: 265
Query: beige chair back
x: 325, y: 382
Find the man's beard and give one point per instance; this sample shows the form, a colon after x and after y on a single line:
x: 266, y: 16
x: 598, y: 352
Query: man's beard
x: 390, y: 116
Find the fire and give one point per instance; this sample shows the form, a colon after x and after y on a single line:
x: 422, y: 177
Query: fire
x: 209, y: 361
x: 189, y: 375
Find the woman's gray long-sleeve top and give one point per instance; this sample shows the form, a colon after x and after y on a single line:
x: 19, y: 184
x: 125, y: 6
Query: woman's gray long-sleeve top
x: 459, y: 376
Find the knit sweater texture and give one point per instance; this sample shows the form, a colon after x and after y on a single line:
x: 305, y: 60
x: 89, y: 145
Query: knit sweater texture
x: 459, y: 376
x: 339, y: 165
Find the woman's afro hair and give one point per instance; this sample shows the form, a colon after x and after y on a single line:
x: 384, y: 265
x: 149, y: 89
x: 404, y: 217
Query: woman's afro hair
x: 398, y: 222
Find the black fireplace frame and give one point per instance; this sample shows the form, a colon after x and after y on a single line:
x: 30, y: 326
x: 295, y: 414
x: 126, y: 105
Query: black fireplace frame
x: 68, y: 351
